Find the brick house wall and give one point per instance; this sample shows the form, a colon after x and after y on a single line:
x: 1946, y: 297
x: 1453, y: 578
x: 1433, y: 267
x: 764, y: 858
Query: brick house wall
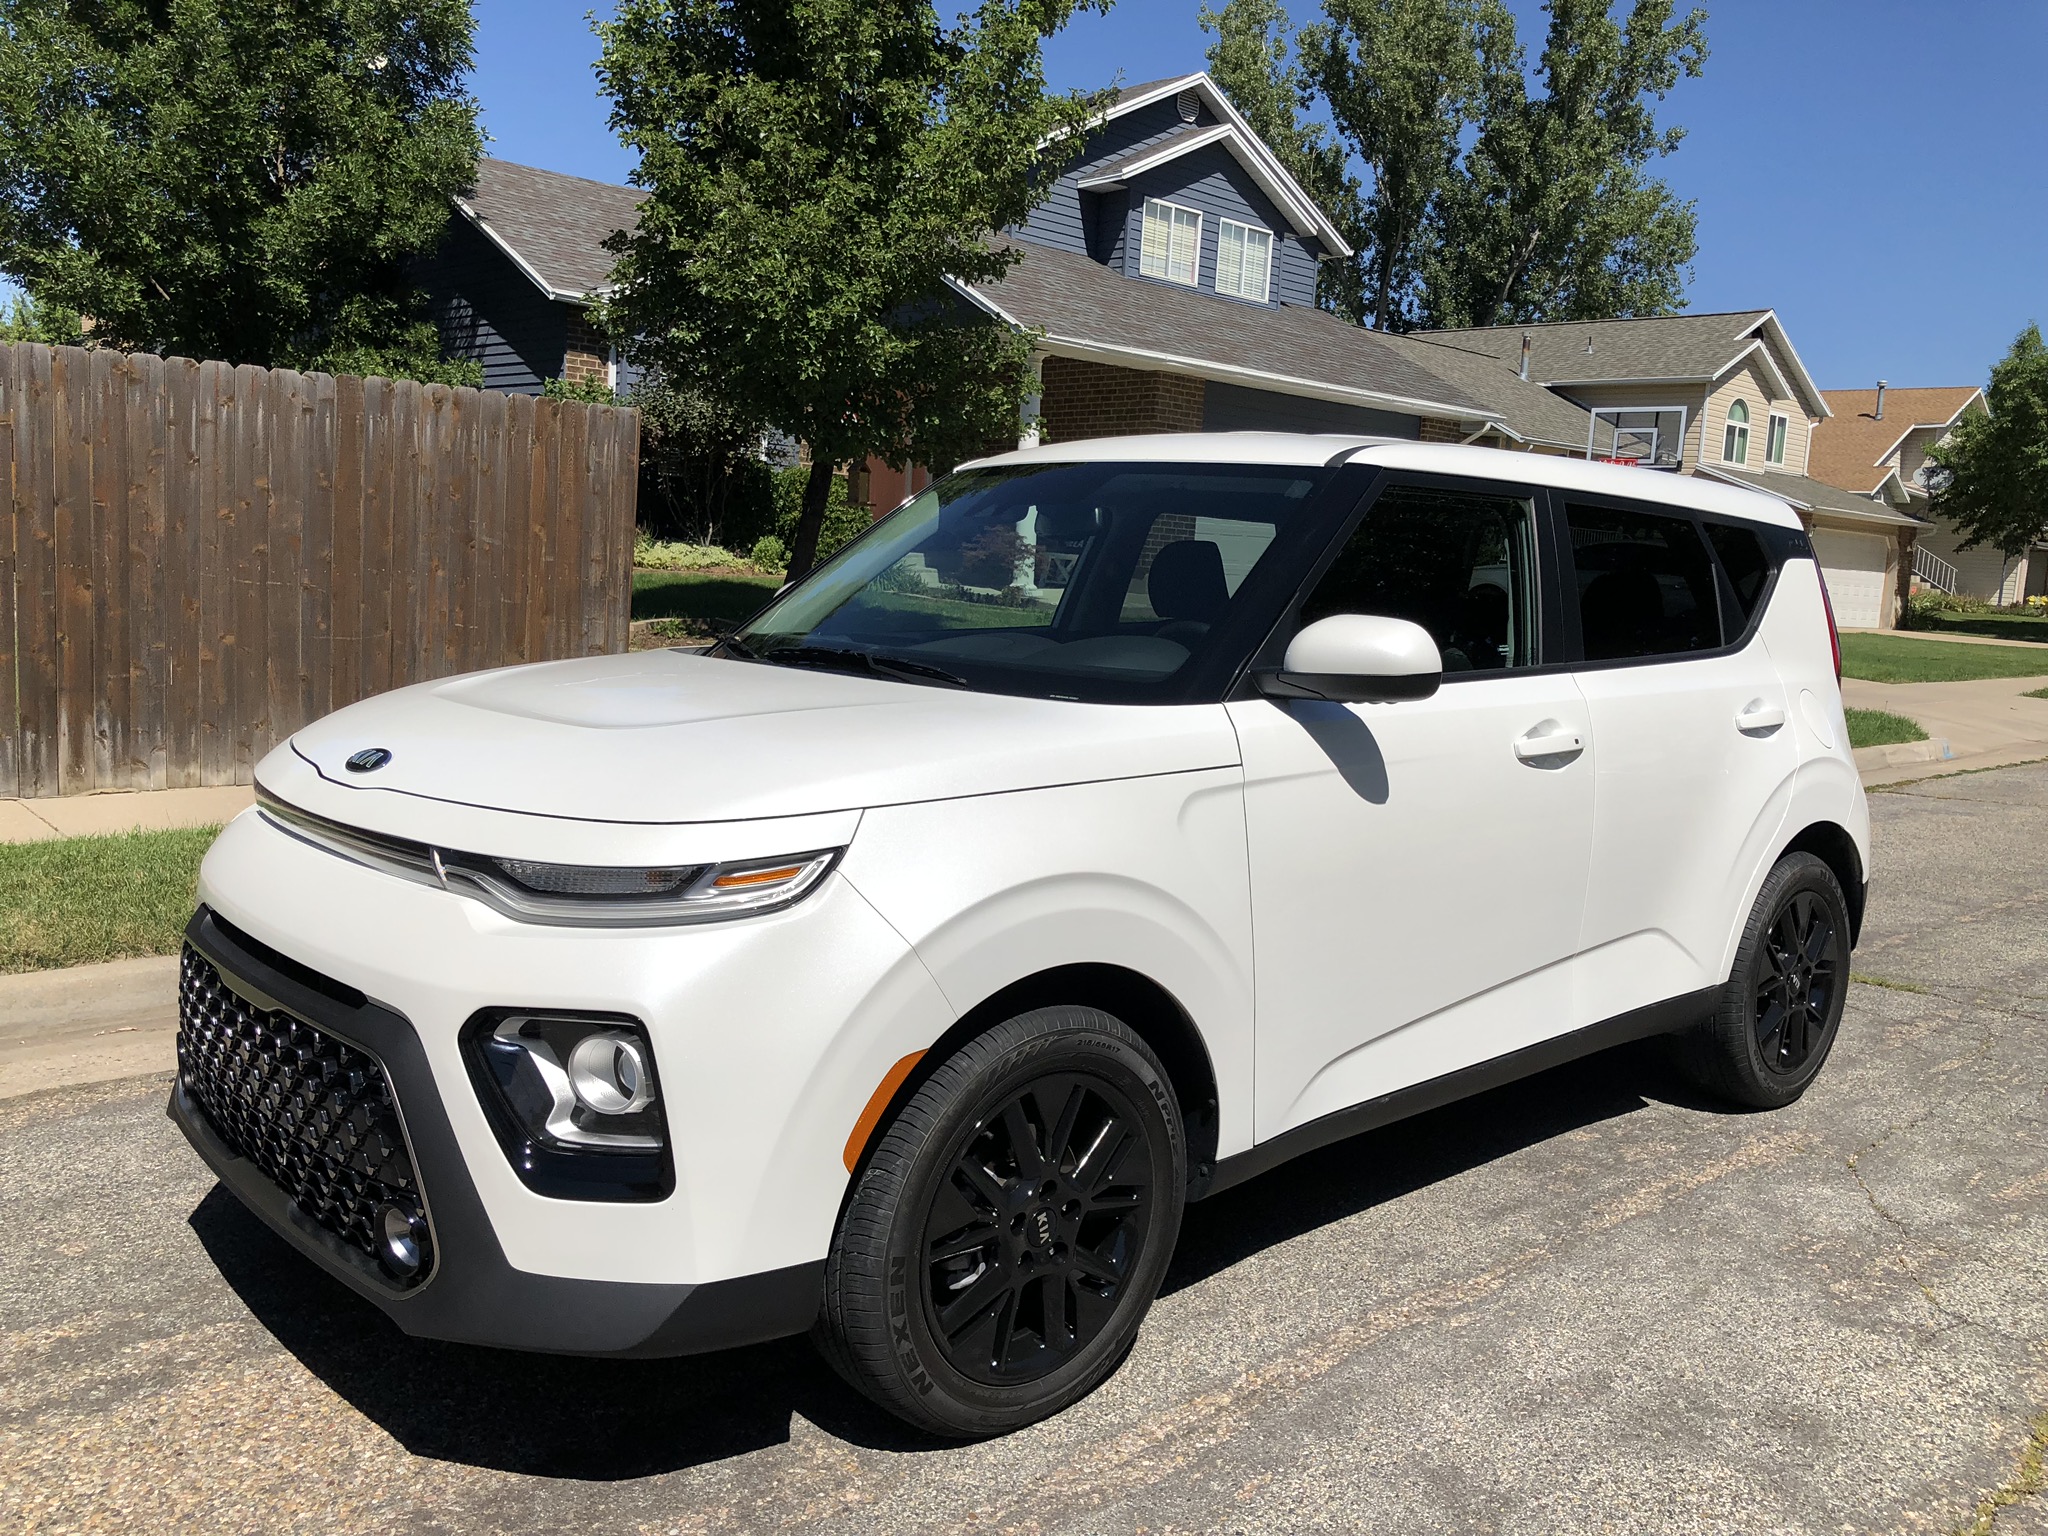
x: 1082, y: 399
x: 586, y: 357
x: 1434, y: 429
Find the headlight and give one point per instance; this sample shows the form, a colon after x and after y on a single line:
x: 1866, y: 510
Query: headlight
x: 573, y: 895
x: 574, y: 1102
x: 596, y: 895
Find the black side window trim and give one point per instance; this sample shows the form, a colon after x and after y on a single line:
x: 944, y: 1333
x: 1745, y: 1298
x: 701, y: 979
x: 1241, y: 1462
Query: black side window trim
x: 1779, y: 544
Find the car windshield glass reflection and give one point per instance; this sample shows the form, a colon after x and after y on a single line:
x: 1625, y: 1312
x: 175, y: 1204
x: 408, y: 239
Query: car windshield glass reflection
x: 1104, y: 582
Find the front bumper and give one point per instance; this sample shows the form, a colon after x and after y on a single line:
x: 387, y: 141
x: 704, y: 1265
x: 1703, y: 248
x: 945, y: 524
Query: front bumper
x: 473, y: 1295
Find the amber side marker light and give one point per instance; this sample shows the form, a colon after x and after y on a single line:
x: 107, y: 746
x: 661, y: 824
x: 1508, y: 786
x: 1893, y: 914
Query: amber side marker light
x: 752, y: 877
x: 877, y: 1106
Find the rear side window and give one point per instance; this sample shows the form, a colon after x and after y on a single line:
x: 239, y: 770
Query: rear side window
x: 1746, y: 565
x: 1457, y: 563
x: 1645, y: 584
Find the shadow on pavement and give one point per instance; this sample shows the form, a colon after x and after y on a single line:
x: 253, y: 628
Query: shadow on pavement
x: 542, y: 1415
x: 1333, y: 1182
x: 606, y: 1420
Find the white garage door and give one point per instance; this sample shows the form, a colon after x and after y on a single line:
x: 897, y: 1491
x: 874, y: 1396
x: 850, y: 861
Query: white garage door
x: 1854, y: 565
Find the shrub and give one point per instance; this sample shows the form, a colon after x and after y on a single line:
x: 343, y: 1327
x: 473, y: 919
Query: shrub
x: 844, y: 522
x: 769, y: 553
x: 652, y: 554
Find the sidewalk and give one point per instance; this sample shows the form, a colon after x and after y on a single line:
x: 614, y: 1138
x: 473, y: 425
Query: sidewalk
x: 87, y: 1024
x: 33, y: 821
x: 1985, y: 723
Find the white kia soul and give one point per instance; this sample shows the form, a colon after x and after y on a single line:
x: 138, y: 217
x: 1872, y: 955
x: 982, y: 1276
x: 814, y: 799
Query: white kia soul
x: 1110, y: 823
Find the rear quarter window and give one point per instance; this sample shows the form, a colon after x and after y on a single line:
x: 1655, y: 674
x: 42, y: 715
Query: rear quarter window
x: 1747, y: 566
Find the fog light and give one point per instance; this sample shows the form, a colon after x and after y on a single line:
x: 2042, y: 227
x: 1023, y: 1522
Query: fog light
x: 401, y: 1239
x: 608, y: 1074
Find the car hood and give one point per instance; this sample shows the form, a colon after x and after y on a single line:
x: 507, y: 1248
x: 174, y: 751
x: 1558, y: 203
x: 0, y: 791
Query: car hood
x: 668, y: 736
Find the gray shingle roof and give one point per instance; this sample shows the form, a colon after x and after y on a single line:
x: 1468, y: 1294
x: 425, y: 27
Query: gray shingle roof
x: 1529, y: 410
x: 1126, y: 92
x: 1656, y: 347
x: 556, y: 224
x: 1073, y: 298
x: 1817, y: 495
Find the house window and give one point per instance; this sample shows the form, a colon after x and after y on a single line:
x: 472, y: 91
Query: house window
x: 1173, y: 239
x: 1774, y: 439
x: 1735, y: 437
x: 1244, y: 260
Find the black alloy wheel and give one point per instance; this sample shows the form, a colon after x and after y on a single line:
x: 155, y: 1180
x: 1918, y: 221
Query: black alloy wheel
x: 1030, y: 1241
x: 1009, y: 1226
x: 1776, y: 1018
x: 1796, y: 980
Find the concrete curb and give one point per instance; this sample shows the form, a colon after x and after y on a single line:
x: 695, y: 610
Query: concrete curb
x: 1898, y: 754
x: 87, y: 1024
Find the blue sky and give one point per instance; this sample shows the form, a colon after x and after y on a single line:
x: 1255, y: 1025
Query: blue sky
x: 1875, y: 170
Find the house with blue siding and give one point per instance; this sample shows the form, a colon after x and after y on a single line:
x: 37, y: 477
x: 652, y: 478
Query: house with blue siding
x: 517, y: 268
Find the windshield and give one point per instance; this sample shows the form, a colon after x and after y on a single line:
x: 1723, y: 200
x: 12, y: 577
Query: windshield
x: 1103, y: 582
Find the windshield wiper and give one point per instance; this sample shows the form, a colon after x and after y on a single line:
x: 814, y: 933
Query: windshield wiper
x: 737, y: 646
x: 844, y: 660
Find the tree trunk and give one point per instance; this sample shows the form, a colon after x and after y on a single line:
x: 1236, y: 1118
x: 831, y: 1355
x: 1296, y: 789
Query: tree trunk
x: 810, y: 521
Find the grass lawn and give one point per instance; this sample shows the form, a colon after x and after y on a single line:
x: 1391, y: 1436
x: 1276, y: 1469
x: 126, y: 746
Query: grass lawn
x: 1999, y: 626
x: 1885, y: 658
x: 1881, y: 728
x: 704, y: 602
x: 76, y: 900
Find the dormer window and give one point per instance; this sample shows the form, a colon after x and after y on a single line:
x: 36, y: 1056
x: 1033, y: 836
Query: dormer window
x: 1735, y: 436
x: 1172, y: 242
x: 1244, y: 260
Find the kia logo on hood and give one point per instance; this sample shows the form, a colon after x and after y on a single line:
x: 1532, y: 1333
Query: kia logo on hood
x: 369, y: 760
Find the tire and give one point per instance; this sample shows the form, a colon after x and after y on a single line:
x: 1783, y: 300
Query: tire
x: 1781, y: 1007
x: 972, y: 1287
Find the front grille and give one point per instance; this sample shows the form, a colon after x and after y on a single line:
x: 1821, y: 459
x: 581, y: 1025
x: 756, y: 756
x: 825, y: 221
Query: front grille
x: 315, y: 1114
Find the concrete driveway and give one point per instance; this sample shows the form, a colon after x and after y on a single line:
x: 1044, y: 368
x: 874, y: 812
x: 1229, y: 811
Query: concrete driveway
x: 1586, y: 1303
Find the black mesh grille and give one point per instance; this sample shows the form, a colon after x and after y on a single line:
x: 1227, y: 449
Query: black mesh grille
x: 314, y: 1114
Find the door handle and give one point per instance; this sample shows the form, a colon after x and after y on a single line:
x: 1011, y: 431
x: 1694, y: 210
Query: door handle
x: 1759, y: 718
x: 1549, y: 740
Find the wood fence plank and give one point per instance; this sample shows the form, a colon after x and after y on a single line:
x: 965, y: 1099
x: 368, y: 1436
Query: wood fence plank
x: 542, y: 530
x: 624, y: 490
x: 10, y: 481
x: 315, y: 575
x: 285, y: 555
x: 380, y: 456
x: 345, y: 623
x: 75, y: 558
x: 249, y: 446
x: 487, y: 570
x: 214, y: 399
x: 406, y: 567
x: 144, y: 426
x: 187, y: 512
x: 517, y: 486
x: 572, y: 570
x: 452, y: 530
x: 112, y: 663
x: 37, y: 652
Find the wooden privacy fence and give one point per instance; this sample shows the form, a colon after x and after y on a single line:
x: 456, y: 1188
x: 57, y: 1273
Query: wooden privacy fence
x: 199, y: 559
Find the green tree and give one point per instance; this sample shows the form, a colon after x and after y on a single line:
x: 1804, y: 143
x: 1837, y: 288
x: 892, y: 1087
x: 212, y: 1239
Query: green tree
x: 1994, y: 481
x: 1402, y: 80
x: 235, y: 179
x: 53, y: 326
x: 818, y: 171
x: 1254, y: 61
x: 1553, y: 216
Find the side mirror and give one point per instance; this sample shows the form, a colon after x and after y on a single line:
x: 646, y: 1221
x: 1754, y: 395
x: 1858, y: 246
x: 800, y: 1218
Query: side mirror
x: 1357, y: 658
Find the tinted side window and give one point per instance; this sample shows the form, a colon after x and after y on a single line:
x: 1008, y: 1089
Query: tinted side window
x: 1645, y: 584
x: 1747, y: 566
x: 1457, y: 563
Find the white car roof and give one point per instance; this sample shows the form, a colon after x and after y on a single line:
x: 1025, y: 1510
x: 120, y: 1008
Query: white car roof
x: 1311, y: 449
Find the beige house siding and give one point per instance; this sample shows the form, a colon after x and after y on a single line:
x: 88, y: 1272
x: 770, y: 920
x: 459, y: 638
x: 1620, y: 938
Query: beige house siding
x: 1748, y: 384
x: 1982, y: 573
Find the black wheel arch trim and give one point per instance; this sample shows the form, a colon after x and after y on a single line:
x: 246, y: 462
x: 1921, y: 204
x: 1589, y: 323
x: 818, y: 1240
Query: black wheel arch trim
x: 476, y: 1295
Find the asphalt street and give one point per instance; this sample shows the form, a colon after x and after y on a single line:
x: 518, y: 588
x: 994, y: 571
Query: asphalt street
x: 1588, y: 1302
